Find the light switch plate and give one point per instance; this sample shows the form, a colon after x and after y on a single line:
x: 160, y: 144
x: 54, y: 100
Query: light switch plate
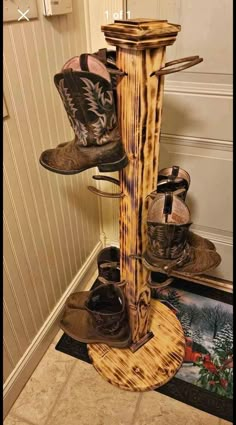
x: 19, y: 10
x: 57, y: 7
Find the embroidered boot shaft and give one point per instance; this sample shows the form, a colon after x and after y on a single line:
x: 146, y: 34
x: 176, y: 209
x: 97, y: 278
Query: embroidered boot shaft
x: 108, y: 58
x: 89, y: 103
x: 171, y: 247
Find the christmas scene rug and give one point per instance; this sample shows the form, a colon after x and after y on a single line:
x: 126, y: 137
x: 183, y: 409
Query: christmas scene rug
x: 205, y: 379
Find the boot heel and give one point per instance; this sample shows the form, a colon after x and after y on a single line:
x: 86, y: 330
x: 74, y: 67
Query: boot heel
x: 114, y: 166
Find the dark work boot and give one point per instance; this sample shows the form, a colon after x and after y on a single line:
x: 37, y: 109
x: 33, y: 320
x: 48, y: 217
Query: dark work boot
x: 108, y: 261
x: 85, y: 88
x: 98, y: 317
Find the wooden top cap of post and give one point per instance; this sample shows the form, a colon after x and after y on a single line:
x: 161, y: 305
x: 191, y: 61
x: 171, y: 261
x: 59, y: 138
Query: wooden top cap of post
x: 140, y: 33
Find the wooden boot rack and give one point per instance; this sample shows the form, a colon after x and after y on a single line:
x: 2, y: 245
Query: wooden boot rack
x: 158, y: 342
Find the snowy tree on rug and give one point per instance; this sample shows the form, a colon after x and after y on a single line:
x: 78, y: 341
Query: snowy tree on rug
x: 185, y: 322
x: 197, y: 336
x: 223, y: 342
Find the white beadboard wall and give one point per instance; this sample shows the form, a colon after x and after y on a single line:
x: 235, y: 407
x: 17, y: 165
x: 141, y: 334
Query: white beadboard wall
x: 102, y: 12
x: 51, y: 221
x: 53, y: 230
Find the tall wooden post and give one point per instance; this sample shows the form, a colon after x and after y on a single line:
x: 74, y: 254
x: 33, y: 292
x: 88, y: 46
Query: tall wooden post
x: 140, y: 46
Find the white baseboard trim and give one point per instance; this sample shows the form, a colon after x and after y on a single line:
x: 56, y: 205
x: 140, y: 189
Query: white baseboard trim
x: 28, y: 362
x: 112, y: 242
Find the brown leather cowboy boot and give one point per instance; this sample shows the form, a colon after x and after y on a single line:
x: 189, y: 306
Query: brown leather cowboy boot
x: 108, y: 261
x: 108, y: 58
x: 97, y: 317
x: 193, y: 239
x: 169, y: 245
x: 85, y: 88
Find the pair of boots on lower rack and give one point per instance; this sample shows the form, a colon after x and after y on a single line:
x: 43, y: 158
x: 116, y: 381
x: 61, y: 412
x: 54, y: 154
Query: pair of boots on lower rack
x: 172, y: 248
x: 87, y: 86
x: 99, y: 316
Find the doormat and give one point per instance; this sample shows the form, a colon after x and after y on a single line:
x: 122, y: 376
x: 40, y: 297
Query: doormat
x: 205, y: 379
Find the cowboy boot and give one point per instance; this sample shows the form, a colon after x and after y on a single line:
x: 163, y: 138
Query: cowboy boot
x: 108, y: 58
x: 177, y: 181
x: 86, y: 91
x: 193, y: 239
x: 98, y: 316
x: 173, y: 178
x: 169, y: 246
x: 108, y: 261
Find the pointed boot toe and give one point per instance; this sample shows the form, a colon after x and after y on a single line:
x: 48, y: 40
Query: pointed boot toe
x: 64, y: 160
x: 47, y: 159
x: 199, y: 242
x: 199, y: 261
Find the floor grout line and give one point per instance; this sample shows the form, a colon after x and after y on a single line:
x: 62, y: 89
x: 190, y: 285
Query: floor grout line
x: 49, y: 415
x: 28, y: 422
x: 136, y: 409
x: 14, y: 416
x: 59, y: 394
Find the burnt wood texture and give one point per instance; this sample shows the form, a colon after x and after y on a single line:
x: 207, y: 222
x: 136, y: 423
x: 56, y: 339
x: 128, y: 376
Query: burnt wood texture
x: 152, y: 365
x: 140, y: 46
x: 151, y: 361
x: 176, y: 388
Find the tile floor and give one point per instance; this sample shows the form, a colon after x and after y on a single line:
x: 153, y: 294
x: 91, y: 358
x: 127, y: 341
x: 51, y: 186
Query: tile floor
x: 66, y: 391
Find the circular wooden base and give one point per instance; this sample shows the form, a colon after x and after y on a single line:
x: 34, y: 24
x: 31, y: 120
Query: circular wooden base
x: 154, y: 364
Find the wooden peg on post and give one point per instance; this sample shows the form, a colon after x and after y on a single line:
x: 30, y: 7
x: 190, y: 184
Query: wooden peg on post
x: 158, y: 346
